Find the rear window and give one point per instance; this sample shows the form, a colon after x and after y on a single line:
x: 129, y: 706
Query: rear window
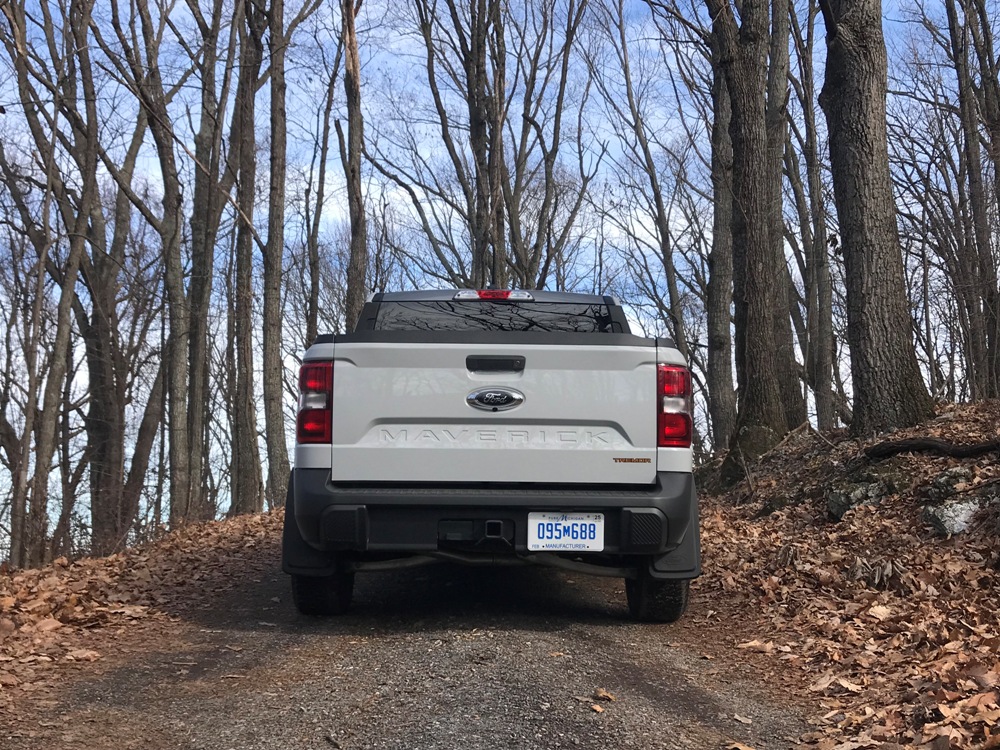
x: 486, y: 315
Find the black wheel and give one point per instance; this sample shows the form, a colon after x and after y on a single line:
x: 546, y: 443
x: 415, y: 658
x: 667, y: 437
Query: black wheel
x: 323, y: 595
x: 650, y: 600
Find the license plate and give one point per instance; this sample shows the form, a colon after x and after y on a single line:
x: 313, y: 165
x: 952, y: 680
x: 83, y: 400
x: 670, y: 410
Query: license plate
x: 566, y: 532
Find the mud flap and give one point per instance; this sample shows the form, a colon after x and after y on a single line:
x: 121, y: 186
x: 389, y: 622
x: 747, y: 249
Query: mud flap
x: 685, y: 560
x: 297, y: 556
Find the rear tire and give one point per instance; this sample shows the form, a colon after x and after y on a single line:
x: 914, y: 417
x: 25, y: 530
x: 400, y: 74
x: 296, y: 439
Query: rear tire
x: 650, y: 600
x: 323, y: 596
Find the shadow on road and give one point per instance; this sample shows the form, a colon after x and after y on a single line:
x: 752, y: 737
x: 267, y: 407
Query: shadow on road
x: 255, y: 591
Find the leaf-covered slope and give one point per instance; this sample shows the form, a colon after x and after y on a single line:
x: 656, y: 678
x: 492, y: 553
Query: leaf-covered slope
x: 47, y: 614
x: 893, y: 629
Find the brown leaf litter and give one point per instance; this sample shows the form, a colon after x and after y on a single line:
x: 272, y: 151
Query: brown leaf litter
x: 892, y: 632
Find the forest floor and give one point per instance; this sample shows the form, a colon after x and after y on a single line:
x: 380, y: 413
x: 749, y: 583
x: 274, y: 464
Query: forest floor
x: 869, y: 632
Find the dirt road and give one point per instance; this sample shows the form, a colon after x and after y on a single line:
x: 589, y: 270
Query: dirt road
x: 441, y: 657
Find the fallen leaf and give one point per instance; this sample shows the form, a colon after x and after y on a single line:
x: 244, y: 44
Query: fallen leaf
x: 983, y: 699
x: 880, y: 612
x: 83, y: 654
x: 742, y: 719
x: 596, y: 709
x: 47, y: 625
x: 756, y: 645
x: 603, y: 695
x: 848, y: 685
x: 823, y: 683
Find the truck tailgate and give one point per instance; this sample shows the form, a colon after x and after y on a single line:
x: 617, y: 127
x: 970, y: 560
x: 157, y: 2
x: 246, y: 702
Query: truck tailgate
x: 402, y: 413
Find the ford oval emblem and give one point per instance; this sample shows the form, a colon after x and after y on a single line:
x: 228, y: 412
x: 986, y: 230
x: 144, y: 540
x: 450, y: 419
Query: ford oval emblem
x: 494, y: 399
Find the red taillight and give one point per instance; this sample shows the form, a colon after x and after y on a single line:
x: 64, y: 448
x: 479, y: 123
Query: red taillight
x: 316, y: 377
x: 493, y: 293
x: 467, y: 295
x: 673, y: 416
x: 315, y: 418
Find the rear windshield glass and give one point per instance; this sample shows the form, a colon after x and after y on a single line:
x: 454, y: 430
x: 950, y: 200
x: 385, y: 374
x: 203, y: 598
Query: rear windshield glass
x: 485, y: 315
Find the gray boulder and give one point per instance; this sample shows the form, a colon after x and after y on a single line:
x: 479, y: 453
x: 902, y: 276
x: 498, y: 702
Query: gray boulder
x: 842, y: 499
x: 951, y: 517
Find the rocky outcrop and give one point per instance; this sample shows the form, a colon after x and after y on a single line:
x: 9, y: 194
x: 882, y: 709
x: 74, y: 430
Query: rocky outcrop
x: 843, y: 498
x: 954, y: 500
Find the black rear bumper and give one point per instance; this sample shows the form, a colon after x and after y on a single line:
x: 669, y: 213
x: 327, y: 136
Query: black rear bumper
x: 658, y: 521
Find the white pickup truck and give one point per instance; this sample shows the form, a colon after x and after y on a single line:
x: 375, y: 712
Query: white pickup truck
x: 493, y: 427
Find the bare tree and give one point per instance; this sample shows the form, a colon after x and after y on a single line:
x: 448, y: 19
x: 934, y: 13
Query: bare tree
x: 980, y: 259
x: 776, y: 116
x: 627, y: 107
x: 810, y: 241
x: 499, y: 203
x: 743, y: 51
x: 719, y: 292
x: 246, y: 482
x: 941, y: 145
x: 888, y: 389
x: 279, y: 36
x: 706, y: 95
x: 351, y: 151
x: 75, y: 208
x: 213, y: 183
x: 24, y: 290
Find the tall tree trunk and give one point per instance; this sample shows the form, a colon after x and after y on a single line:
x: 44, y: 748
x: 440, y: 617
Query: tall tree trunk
x: 479, y: 138
x: 245, y: 465
x: 108, y: 369
x: 35, y: 361
x: 209, y: 196
x: 274, y: 381
x: 350, y: 156
x: 153, y: 99
x: 496, y: 102
x: 721, y: 392
x: 888, y: 389
x: 105, y: 424
x: 743, y: 58
x: 314, y: 211
x: 789, y: 382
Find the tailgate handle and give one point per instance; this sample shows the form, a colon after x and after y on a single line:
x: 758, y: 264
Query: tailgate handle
x: 494, y: 363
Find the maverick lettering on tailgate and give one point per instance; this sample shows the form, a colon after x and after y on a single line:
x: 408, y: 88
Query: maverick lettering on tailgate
x: 427, y: 436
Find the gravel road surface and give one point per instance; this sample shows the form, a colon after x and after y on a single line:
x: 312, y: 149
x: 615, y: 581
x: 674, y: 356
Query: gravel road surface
x: 440, y: 657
